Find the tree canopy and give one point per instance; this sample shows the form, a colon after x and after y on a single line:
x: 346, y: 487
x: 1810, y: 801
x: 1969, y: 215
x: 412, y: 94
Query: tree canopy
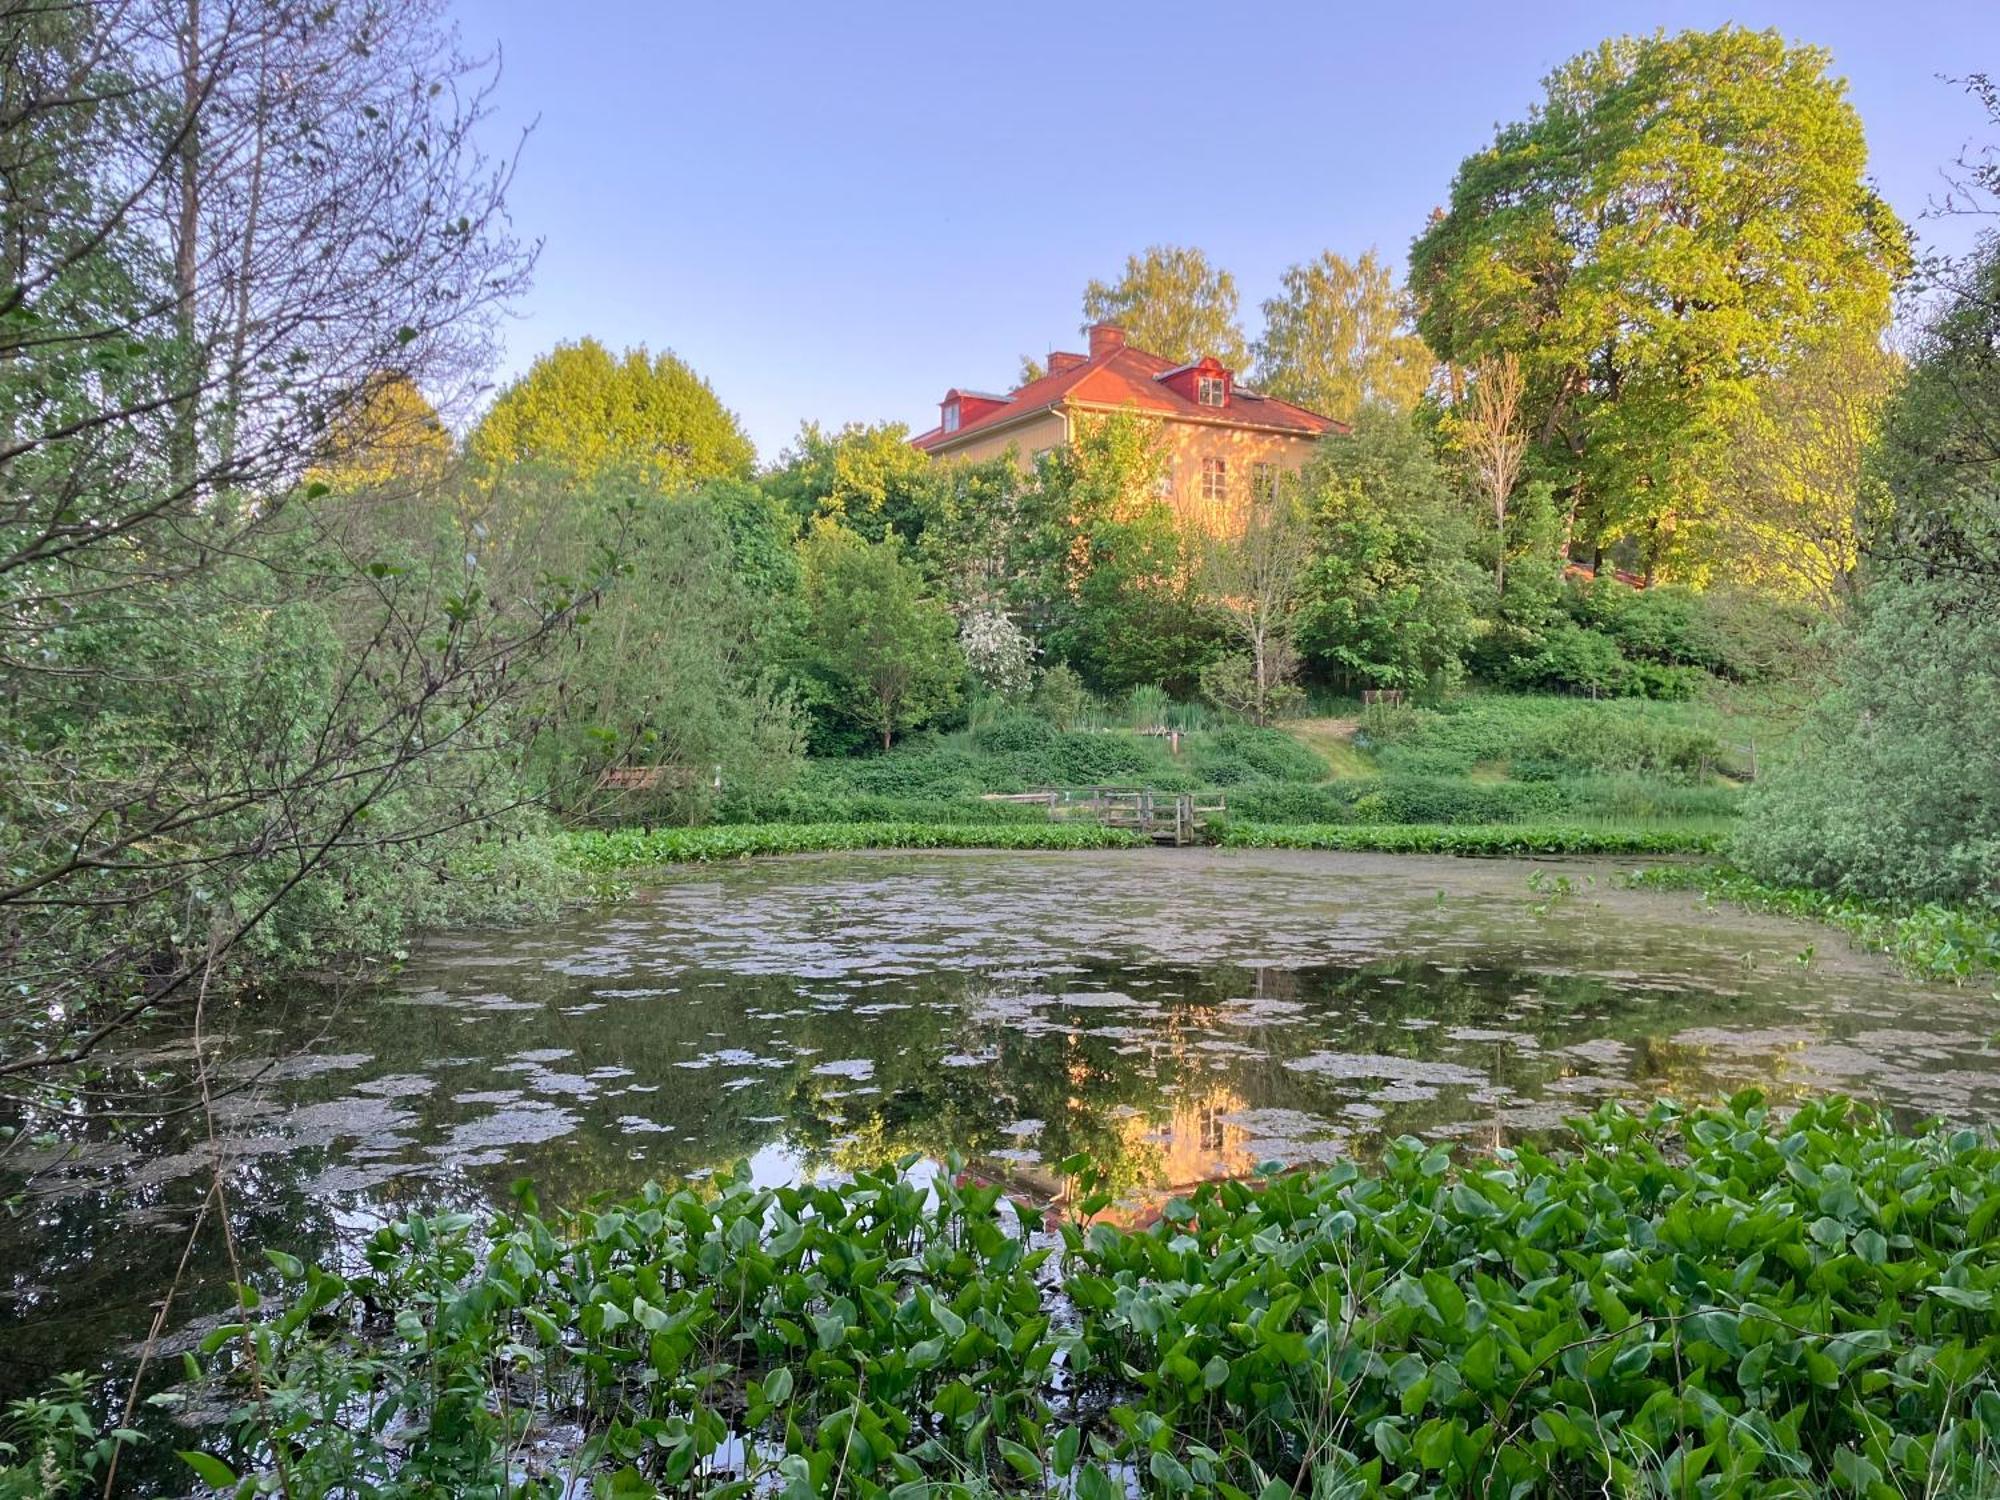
x: 1680, y: 218
x: 1338, y: 338
x: 1173, y: 303
x: 584, y: 410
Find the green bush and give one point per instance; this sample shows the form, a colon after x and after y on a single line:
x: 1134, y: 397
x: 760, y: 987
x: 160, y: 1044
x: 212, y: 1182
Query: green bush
x: 1419, y: 760
x: 1893, y: 790
x: 1542, y: 738
x: 1613, y: 740
x: 1014, y: 732
x: 1298, y: 802
x: 1732, y: 1302
x: 1627, y: 794
x: 1244, y: 753
x: 923, y: 770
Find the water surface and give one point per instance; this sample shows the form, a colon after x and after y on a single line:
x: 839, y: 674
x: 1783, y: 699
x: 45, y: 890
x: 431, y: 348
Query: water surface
x: 1174, y: 1014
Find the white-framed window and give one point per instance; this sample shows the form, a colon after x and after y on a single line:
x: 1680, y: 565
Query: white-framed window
x: 951, y: 416
x: 1263, y: 480
x: 1215, y: 479
x: 1211, y: 390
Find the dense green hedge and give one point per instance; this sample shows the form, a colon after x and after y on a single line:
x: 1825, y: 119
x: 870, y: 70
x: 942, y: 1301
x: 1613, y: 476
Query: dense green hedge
x: 1497, y: 839
x: 1730, y: 1303
x: 635, y: 848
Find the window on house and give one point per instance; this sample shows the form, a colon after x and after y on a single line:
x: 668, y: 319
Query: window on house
x: 1215, y: 479
x: 1210, y: 390
x: 951, y: 417
x: 1263, y: 480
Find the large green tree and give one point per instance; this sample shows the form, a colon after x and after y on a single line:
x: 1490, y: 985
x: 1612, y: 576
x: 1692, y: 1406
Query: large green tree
x: 1386, y: 601
x: 1679, y: 218
x: 1338, y: 337
x: 867, y: 477
x: 668, y: 673
x: 584, y: 410
x: 877, y: 650
x: 1172, y: 302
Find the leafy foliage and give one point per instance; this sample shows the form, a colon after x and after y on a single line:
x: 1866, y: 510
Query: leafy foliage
x: 1386, y: 600
x: 881, y: 653
x: 1172, y: 303
x: 1893, y: 792
x: 583, y: 410
x: 1337, y: 338
x: 1678, y: 216
x: 1722, y: 1302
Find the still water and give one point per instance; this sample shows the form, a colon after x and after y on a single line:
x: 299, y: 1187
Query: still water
x: 1175, y: 1014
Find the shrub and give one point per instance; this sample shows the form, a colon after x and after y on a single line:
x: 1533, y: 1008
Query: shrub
x: 922, y: 770
x: 1612, y: 740
x: 1297, y: 802
x: 1243, y: 753
x: 1432, y: 799
x: 1060, y: 696
x: 1416, y: 760
x: 1893, y: 791
x: 1011, y: 733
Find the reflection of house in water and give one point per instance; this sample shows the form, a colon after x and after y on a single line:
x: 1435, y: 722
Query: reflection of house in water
x: 1195, y: 1143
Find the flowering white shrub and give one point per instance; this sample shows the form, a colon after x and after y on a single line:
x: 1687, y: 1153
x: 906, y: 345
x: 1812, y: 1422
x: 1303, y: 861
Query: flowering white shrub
x: 1000, y: 654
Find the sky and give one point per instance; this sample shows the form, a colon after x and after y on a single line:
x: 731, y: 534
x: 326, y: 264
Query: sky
x: 838, y: 211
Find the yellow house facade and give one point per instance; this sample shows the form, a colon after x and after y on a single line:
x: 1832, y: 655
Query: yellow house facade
x: 1221, y: 441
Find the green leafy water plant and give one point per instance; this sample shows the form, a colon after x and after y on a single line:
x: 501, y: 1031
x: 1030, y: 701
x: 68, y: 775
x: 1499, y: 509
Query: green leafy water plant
x: 636, y: 848
x: 1490, y: 840
x: 1723, y: 1303
x: 1943, y: 942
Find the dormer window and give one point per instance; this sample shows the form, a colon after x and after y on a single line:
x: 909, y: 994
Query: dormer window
x: 950, y: 423
x: 1211, y: 390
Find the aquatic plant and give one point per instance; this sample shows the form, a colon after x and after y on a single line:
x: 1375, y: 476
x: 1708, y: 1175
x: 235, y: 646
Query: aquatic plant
x: 1942, y: 942
x: 637, y: 848
x: 1719, y: 1303
x: 1496, y: 839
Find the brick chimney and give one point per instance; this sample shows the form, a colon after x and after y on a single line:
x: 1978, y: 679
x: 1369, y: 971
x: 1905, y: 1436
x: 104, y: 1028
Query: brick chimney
x: 1104, y: 337
x: 1062, y: 360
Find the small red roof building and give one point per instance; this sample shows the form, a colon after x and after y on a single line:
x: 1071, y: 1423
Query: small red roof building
x: 1117, y: 376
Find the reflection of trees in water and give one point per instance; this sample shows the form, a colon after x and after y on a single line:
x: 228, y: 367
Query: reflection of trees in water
x: 1143, y: 1090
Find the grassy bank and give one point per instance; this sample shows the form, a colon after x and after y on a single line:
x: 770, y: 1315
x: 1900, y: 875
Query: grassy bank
x: 1940, y: 942
x: 1722, y: 1303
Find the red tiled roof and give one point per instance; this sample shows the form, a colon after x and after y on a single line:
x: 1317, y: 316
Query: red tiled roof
x: 1125, y: 376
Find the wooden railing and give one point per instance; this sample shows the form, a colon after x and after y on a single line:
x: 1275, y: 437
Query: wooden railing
x: 1164, y: 817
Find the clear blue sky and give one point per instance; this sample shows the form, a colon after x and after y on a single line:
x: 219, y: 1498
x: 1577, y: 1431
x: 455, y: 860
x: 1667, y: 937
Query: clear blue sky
x: 838, y: 211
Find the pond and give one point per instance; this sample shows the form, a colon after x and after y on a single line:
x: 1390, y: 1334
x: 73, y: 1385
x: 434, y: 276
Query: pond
x: 1174, y: 1014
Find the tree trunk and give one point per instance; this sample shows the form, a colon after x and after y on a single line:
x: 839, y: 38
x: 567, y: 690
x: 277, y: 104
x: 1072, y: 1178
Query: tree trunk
x: 187, y: 231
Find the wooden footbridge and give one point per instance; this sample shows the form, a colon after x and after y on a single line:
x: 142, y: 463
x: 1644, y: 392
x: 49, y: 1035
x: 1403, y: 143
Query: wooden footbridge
x: 1176, y: 818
